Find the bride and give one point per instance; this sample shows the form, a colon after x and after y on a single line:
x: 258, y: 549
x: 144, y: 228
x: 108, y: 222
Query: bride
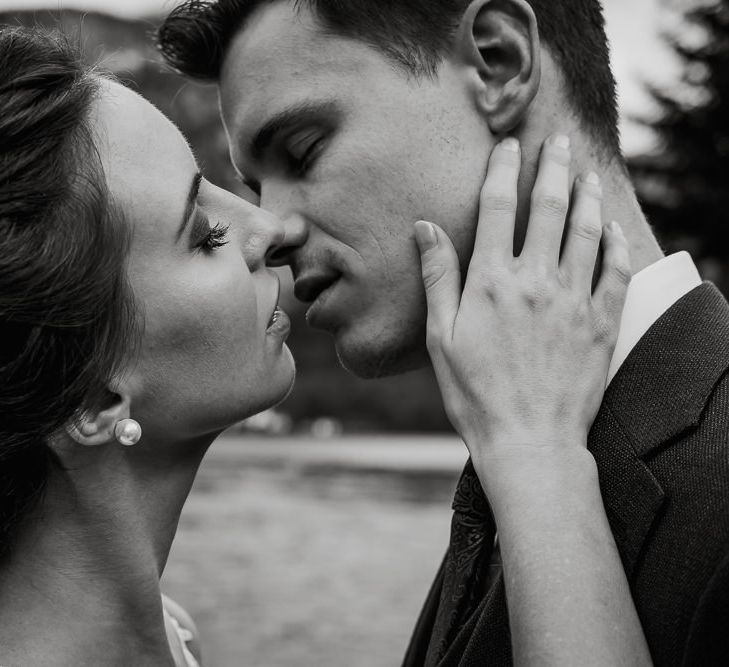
x: 139, y: 320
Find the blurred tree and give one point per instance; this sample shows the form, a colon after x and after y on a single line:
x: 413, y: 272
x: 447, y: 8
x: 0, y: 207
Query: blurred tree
x: 684, y: 183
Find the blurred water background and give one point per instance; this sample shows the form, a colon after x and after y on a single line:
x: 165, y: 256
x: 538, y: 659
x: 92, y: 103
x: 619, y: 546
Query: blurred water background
x: 300, y: 551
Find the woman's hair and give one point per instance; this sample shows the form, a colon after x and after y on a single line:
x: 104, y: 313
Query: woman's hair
x: 66, y: 320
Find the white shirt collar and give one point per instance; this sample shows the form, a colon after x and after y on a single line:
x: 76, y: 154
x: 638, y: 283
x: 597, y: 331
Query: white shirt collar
x: 651, y: 293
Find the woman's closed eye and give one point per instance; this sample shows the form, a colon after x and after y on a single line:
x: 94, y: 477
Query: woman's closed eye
x: 207, y: 237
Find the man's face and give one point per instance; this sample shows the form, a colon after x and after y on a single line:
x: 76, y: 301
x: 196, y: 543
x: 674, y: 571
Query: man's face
x: 349, y: 152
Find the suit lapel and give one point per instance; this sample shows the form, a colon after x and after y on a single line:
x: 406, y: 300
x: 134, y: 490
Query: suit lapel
x: 665, y: 382
x: 658, y: 394
x: 632, y: 496
x: 420, y: 640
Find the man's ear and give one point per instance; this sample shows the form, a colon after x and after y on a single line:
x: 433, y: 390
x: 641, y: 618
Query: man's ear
x: 96, y: 427
x: 498, y: 41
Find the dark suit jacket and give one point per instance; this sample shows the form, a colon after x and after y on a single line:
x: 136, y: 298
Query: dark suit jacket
x: 661, y: 442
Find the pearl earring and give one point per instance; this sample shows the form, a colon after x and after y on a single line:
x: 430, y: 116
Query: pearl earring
x: 127, y: 432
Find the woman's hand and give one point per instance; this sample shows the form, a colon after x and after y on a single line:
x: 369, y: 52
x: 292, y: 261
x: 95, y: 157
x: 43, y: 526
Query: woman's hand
x: 522, y: 352
x: 521, y: 356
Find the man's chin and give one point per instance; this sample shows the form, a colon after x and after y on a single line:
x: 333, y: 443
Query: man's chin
x: 369, y: 361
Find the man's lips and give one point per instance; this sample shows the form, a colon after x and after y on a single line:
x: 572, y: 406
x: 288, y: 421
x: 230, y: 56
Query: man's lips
x: 308, y: 288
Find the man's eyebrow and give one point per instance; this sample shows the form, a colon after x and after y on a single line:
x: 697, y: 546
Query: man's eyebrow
x: 190, y: 204
x: 283, y: 119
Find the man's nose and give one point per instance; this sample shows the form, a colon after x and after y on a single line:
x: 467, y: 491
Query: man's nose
x: 261, y: 235
x: 294, y: 236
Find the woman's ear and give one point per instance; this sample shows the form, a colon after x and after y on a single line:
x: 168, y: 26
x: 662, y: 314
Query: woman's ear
x: 96, y: 427
x: 498, y: 42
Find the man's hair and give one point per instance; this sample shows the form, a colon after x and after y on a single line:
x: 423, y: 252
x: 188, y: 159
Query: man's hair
x: 416, y: 35
x: 66, y: 315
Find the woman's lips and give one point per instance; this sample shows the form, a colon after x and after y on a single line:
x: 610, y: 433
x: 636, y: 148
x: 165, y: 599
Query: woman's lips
x: 280, y: 324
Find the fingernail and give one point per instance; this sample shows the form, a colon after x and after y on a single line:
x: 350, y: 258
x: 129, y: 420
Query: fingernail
x: 510, y: 144
x: 561, y: 141
x: 592, y: 178
x: 615, y: 228
x: 425, y: 235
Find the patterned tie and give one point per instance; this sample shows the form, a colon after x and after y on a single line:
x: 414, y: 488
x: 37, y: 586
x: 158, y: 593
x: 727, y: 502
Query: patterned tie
x: 466, y: 564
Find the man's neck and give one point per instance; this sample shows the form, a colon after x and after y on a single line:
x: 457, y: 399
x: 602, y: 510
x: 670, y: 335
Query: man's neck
x: 619, y: 200
x: 85, y: 574
x: 621, y: 204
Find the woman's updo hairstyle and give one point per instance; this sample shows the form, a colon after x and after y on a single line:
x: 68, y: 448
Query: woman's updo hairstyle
x: 66, y: 321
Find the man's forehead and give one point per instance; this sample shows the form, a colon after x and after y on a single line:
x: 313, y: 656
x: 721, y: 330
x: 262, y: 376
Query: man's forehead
x: 280, y: 58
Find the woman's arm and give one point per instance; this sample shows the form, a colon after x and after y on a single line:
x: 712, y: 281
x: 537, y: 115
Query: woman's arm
x: 521, y: 354
x: 568, y: 597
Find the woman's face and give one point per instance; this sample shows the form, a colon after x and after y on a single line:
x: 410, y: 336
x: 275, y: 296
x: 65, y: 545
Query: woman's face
x: 212, y: 352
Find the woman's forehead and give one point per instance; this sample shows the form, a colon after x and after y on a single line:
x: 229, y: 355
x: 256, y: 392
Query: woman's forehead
x: 133, y: 133
x: 147, y: 162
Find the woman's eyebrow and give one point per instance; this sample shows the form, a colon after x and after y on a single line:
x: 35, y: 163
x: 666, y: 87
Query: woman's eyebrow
x: 190, y: 204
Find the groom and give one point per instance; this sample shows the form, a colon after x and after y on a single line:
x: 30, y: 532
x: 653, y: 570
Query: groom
x: 351, y: 120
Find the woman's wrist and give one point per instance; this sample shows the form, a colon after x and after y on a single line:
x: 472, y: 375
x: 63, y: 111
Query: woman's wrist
x: 525, y: 475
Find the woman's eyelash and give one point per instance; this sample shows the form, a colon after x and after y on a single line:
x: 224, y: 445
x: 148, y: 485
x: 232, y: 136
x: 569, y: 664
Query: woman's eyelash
x: 216, y: 238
